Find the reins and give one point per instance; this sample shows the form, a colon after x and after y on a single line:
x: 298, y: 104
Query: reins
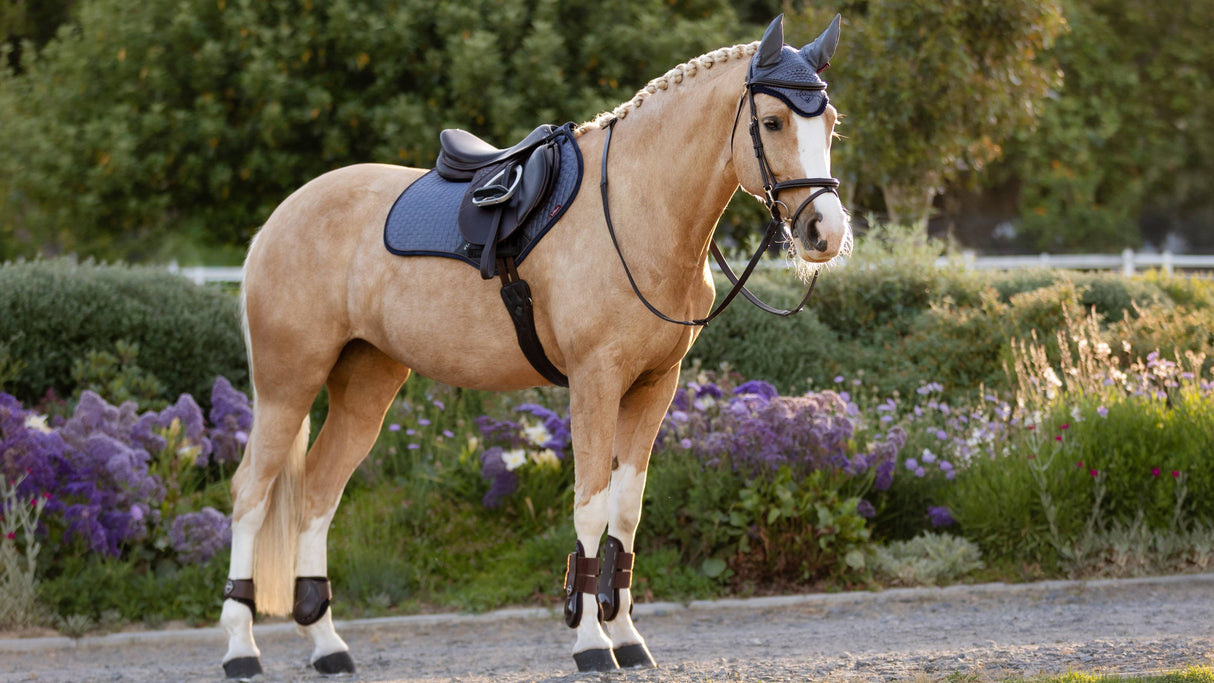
x: 771, y: 191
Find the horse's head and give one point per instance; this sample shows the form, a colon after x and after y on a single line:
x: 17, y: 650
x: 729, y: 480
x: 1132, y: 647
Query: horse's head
x: 791, y: 123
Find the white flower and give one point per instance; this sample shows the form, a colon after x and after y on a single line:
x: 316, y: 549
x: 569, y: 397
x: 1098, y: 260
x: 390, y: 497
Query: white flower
x: 546, y: 458
x: 537, y: 434
x: 473, y: 442
x: 37, y: 422
x: 514, y: 459
x: 928, y: 456
x: 1076, y: 415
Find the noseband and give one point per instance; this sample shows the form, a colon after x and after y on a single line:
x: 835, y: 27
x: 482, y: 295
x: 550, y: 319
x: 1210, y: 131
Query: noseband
x: 771, y: 198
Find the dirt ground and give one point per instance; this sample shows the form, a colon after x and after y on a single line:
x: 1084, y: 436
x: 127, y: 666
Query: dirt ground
x: 987, y: 632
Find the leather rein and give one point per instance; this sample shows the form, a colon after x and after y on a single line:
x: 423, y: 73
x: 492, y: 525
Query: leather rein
x: 771, y: 192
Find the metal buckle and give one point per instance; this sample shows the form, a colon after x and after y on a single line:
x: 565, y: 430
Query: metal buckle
x: 493, y: 193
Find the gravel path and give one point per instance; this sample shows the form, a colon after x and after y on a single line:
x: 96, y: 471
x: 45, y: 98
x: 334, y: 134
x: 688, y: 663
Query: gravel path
x: 987, y: 632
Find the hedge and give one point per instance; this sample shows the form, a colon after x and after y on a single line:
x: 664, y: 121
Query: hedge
x: 54, y: 312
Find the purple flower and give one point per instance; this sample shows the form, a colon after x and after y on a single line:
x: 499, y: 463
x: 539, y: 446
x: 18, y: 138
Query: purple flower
x: 940, y: 516
x: 866, y: 510
x: 919, y: 472
x: 1102, y: 411
x: 911, y: 463
x: 394, y: 427
x: 196, y: 537
x: 757, y: 387
x: 231, y: 420
x: 502, y: 482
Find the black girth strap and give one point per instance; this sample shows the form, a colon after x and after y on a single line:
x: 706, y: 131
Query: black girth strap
x: 516, y: 294
x: 241, y: 590
x: 312, y: 597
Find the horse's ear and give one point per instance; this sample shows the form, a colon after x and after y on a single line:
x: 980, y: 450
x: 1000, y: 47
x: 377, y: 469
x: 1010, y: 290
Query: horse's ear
x: 772, y: 43
x: 819, y: 52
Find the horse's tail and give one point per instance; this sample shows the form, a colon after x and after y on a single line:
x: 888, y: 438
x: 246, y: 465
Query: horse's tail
x: 278, y: 540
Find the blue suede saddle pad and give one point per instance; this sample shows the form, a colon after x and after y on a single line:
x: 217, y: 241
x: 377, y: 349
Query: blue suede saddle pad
x: 423, y: 220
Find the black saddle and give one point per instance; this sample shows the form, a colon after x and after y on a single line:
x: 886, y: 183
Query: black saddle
x: 506, y: 186
x: 462, y: 154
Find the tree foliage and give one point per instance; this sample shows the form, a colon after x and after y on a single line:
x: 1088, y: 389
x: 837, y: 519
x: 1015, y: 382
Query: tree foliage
x: 1131, y: 129
x: 165, y: 121
x: 932, y: 88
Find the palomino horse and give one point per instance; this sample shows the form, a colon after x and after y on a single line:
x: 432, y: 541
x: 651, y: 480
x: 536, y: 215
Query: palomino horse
x: 325, y: 305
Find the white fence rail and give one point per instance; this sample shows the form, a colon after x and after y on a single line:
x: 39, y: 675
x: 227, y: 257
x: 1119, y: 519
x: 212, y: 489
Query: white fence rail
x: 1128, y: 262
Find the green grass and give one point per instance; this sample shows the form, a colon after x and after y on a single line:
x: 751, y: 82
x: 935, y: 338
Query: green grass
x: 1194, y: 674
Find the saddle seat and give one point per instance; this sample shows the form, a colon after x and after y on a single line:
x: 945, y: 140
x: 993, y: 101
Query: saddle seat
x: 462, y: 154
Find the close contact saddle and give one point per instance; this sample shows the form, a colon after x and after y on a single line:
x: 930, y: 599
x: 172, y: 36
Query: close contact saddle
x: 506, y: 187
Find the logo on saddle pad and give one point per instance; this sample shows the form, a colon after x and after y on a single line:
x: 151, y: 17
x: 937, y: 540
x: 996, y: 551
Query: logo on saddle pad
x: 481, y: 203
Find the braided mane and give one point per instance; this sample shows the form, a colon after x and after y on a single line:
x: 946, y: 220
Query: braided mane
x: 673, y: 77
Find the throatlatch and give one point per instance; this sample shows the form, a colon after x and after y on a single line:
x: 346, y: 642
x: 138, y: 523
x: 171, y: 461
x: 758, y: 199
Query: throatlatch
x: 313, y: 594
x: 616, y: 574
x: 581, y: 576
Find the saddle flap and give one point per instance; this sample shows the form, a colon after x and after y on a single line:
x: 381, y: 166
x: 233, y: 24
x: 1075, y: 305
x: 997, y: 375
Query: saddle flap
x: 501, y: 197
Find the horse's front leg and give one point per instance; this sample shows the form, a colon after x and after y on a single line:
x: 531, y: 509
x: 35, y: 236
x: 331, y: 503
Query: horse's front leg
x: 593, y: 407
x: 641, y: 414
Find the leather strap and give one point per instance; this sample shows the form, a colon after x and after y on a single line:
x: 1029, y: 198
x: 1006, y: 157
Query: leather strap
x: 516, y: 294
x: 581, y: 576
x: 739, y: 282
x: 241, y: 590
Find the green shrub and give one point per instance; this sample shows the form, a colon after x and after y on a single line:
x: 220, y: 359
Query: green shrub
x: 926, y: 560
x: 53, y: 313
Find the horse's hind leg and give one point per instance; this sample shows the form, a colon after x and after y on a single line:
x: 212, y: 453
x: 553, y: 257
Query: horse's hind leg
x: 362, y: 386
x: 641, y: 414
x: 263, y: 490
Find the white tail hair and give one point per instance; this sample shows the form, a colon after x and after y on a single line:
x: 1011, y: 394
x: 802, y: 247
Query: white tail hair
x: 278, y: 540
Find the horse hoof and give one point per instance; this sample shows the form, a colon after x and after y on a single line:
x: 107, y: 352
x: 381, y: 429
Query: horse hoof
x: 595, y: 660
x: 634, y: 656
x: 242, y: 668
x: 335, y: 664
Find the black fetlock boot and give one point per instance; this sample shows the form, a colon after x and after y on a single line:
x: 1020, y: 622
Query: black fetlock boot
x: 241, y: 668
x: 615, y: 576
x: 313, y: 595
x: 582, y: 576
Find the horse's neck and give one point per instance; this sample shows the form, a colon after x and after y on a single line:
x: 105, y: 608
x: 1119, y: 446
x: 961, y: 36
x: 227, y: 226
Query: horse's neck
x: 670, y: 170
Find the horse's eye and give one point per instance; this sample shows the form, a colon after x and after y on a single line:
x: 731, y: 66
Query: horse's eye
x: 773, y: 123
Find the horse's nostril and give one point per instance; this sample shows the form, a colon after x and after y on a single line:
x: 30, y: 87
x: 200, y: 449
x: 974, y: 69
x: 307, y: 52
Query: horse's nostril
x: 818, y: 242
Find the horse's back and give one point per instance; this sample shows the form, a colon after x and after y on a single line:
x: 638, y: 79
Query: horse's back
x: 318, y: 273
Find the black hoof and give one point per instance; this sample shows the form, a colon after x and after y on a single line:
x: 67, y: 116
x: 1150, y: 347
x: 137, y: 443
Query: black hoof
x: 635, y: 655
x: 335, y: 664
x: 595, y: 660
x: 242, y: 668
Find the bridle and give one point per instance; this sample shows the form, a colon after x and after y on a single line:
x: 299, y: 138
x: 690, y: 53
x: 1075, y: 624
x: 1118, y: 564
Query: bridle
x: 771, y: 198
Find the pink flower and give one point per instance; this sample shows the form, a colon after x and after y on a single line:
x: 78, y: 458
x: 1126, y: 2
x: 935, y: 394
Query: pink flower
x: 12, y: 535
x: 1058, y: 438
x: 1066, y: 426
x: 1032, y: 427
x: 1079, y: 464
x: 1094, y: 473
x: 1176, y: 474
x: 1154, y: 471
